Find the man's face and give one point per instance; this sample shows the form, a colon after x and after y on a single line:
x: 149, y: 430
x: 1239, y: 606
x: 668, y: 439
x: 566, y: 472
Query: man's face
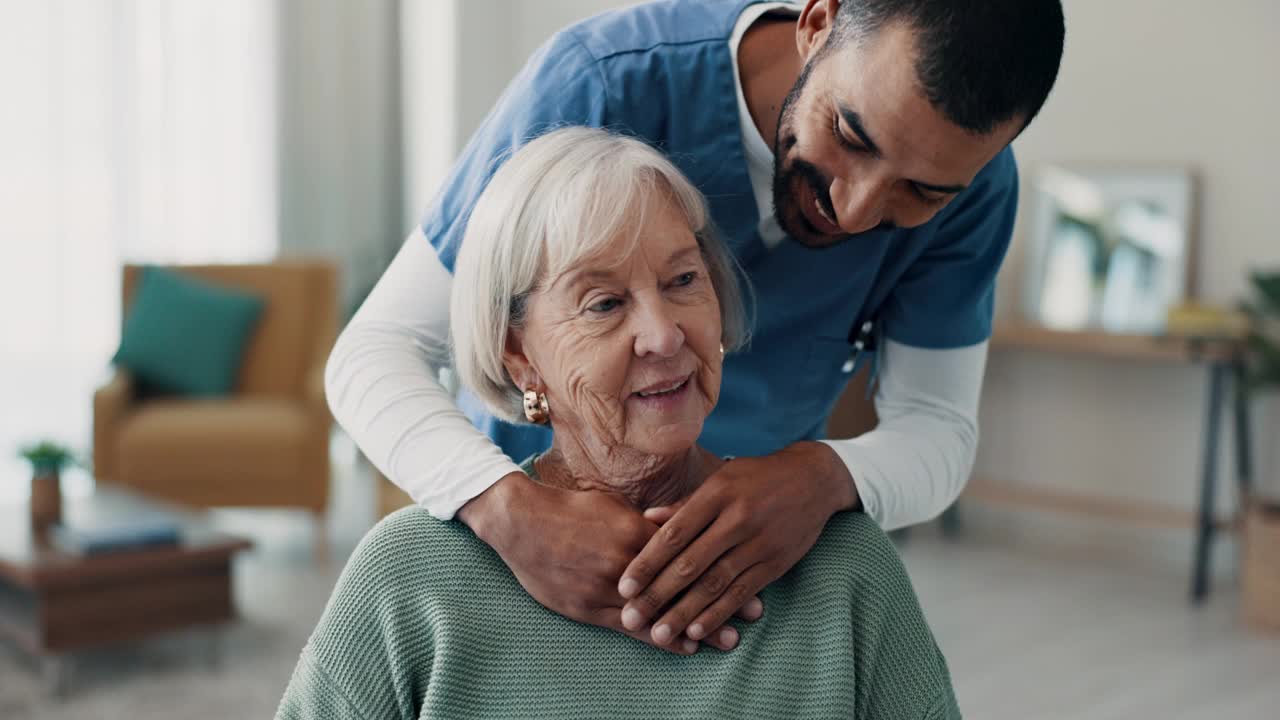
x: 859, y: 146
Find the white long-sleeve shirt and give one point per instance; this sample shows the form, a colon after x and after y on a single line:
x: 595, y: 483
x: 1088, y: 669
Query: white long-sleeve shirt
x: 382, y: 387
x: 381, y: 382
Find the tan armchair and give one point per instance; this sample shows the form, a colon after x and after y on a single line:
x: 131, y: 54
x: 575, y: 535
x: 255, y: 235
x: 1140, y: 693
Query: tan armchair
x: 267, y: 445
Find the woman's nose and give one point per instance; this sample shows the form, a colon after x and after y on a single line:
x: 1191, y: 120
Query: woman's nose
x: 657, y: 332
x: 859, y: 205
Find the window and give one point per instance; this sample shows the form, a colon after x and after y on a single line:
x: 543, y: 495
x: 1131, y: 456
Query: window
x: 133, y: 131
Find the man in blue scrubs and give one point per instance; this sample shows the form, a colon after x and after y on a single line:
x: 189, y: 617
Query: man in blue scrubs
x: 855, y: 156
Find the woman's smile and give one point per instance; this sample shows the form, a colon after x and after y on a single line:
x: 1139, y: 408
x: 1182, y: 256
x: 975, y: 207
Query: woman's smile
x: 663, y: 396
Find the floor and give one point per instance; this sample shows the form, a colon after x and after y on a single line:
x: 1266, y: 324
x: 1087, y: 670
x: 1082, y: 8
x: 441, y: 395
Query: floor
x: 1033, y: 626
x: 1057, y: 632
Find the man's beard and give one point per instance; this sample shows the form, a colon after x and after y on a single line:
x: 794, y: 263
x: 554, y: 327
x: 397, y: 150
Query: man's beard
x: 789, y: 178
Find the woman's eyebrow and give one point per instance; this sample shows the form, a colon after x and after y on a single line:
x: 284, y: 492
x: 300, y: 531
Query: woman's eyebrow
x: 576, y: 277
x: 682, y: 253
x: 580, y: 275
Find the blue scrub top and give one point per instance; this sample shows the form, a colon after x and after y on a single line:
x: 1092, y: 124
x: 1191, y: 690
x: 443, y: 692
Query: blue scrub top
x: 663, y: 71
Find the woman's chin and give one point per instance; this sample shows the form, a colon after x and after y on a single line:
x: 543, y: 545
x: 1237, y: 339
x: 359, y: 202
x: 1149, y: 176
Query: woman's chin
x: 666, y: 439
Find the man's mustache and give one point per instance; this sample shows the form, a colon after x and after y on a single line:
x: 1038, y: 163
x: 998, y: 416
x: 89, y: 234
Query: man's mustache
x: 819, y: 184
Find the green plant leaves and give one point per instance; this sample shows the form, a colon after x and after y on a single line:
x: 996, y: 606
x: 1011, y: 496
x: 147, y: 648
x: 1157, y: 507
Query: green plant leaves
x: 1264, y: 345
x: 48, y: 456
x: 1267, y: 286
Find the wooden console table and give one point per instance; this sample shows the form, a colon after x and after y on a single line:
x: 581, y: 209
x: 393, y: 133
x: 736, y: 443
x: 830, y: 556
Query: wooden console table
x: 1224, y: 359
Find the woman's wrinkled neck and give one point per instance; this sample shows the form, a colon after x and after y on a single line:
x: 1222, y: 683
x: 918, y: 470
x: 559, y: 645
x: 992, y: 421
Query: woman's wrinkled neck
x: 645, y: 480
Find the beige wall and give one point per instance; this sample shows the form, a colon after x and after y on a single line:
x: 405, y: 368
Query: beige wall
x: 1145, y: 82
x: 1177, y: 82
x: 457, y: 56
x: 497, y: 36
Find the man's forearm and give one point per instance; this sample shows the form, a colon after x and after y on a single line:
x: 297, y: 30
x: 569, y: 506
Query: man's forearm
x: 483, y: 513
x: 918, y: 459
x: 820, y: 460
x: 908, y: 471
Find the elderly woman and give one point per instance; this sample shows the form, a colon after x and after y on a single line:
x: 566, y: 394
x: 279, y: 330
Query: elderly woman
x: 590, y: 294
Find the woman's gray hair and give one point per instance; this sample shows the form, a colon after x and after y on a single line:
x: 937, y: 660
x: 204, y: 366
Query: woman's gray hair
x: 558, y: 200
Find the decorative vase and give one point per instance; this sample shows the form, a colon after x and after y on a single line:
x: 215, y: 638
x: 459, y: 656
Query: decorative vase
x: 46, y: 499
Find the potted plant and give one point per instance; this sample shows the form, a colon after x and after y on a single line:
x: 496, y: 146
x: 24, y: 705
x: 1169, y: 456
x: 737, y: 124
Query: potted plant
x: 1264, y: 337
x: 1260, y: 581
x: 48, y: 459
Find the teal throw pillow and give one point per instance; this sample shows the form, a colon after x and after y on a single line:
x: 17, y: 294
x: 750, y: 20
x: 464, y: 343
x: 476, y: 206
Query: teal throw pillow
x: 187, y: 336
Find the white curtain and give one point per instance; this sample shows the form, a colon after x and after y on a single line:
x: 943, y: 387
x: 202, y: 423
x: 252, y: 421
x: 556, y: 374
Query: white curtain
x: 130, y: 131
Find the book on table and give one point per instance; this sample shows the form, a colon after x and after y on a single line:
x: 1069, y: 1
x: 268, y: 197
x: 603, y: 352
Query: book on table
x: 95, y: 537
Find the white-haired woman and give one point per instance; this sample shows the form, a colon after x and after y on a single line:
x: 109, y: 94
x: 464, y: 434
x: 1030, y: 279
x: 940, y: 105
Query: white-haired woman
x: 591, y: 294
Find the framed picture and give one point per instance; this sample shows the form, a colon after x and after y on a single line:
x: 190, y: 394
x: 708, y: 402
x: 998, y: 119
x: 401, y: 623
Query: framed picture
x: 1110, y: 249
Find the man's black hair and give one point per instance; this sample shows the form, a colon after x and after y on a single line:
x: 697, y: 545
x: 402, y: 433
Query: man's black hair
x: 981, y: 63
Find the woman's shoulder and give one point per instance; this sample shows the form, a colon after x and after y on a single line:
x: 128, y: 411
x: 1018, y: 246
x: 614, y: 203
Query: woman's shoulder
x: 854, y: 548
x: 375, y: 638
x: 412, y: 523
x: 412, y: 542
x: 889, y: 631
x: 857, y: 528
x: 412, y: 561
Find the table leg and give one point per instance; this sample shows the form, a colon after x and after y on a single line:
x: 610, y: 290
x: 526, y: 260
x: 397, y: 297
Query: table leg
x: 1244, y: 436
x: 213, y: 642
x: 55, y: 672
x: 1208, y: 483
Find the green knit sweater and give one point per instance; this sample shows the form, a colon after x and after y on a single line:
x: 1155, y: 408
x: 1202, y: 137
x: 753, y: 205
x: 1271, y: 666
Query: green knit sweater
x: 427, y: 622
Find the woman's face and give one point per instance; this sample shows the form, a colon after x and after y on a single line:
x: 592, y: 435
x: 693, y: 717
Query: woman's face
x: 626, y: 345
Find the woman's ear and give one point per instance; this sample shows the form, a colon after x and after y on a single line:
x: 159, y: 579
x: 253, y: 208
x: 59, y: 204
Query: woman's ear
x: 815, y: 24
x: 518, y: 366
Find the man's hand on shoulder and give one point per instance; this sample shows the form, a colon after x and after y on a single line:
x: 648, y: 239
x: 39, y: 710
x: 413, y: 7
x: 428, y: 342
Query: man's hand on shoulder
x: 748, y: 524
x: 568, y: 548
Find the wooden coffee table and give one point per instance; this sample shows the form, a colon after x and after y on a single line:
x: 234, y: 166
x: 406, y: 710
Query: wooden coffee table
x: 54, y: 604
